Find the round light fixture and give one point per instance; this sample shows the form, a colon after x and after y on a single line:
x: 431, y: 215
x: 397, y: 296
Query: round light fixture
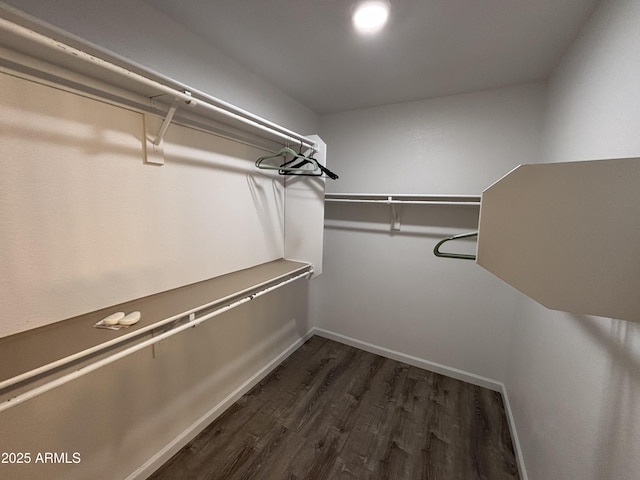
x: 371, y: 16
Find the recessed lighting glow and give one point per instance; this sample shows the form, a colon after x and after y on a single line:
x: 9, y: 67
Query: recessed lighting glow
x: 371, y: 16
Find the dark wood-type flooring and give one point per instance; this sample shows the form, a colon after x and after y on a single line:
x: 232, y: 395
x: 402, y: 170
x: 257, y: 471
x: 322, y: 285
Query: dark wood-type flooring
x: 331, y: 411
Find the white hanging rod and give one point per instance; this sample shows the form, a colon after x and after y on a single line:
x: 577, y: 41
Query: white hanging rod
x: 256, y: 292
x: 403, y: 199
x: 191, y: 97
x: 123, y: 338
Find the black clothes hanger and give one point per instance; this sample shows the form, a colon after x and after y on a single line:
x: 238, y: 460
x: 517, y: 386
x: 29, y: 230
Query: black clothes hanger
x: 298, y: 170
x: 323, y: 170
x: 263, y: 164
x: 309, y: 173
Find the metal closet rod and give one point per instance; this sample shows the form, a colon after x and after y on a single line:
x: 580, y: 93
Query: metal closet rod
x: 189, y: 96
x: 257, y: 291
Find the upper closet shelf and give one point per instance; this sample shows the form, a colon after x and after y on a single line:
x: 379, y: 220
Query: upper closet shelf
x: 403, y: 199
x: 567, y: 235
x: 36, y: 50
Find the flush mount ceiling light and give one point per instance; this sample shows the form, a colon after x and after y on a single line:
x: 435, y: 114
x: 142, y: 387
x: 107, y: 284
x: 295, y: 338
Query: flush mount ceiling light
x: 371, y: 16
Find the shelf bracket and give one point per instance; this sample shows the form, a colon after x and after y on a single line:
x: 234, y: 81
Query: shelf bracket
x: 167, y: 119
x: 165, y: 123
x: 396, y: 215
x: 155, y: 150
x: 153, y: 154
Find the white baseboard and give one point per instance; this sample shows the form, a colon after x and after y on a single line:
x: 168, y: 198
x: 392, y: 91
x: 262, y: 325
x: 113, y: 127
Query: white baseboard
x: 514, y: 434
x: 192, y: 431
x: 468, y: 377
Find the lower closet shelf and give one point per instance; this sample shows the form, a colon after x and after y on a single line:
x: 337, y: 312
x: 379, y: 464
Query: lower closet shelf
x: 65, y: 350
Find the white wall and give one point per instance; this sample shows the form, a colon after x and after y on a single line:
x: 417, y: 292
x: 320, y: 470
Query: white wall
x: 86, y: 224
x: 388, y: 289
x: 573, y: 380
x: 56, y: 211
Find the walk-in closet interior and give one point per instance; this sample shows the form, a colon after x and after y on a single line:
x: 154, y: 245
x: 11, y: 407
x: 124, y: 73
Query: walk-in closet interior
x: 257, y: 239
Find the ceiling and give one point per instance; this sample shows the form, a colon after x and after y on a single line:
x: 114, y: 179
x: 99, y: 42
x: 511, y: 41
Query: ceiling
x: 430, y: 48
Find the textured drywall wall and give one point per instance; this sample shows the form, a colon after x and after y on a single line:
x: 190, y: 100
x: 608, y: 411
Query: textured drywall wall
x: 85, y: 223
x: 84, y: 198
x: 573, y: 380
x: 388, y: 288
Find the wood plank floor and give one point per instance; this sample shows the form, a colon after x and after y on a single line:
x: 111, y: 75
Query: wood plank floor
x: 331, y: 411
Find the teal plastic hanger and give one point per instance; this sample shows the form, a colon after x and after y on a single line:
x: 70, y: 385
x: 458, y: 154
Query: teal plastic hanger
x: 283, y: 152
x: 462, y: 256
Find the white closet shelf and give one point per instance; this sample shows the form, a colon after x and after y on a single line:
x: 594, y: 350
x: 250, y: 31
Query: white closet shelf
x: 397, y: 201
x: 33, y: 49
x: 566, y: 234
x: 403, y: 199
x: 48, y: 350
